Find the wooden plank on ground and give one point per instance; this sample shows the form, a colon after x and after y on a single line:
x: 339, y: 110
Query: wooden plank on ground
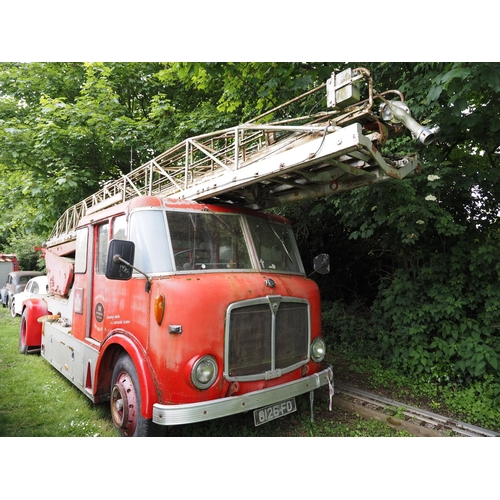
x: 396, y: 423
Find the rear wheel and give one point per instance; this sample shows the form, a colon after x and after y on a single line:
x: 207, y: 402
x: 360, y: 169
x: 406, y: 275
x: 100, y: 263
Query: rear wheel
x: 126, y: 400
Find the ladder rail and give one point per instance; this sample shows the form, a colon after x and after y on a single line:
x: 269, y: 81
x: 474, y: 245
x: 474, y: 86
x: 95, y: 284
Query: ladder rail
x: 182, y: 171
x: 176, y: 169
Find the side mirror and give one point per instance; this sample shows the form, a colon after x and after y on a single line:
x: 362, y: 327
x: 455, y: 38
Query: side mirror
x: 120, y: 260
x: 321, y: 263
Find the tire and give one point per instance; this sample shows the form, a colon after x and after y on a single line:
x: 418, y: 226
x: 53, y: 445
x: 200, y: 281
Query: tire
x: 12, y: 308
x: 23, y: 348
x: 125, y: 401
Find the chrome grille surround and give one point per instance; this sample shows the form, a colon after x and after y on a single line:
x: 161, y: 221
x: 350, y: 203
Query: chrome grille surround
x: 266, y: 337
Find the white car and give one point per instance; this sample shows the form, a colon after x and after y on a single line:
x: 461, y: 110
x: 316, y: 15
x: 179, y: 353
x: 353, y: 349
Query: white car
x: 36, y: 287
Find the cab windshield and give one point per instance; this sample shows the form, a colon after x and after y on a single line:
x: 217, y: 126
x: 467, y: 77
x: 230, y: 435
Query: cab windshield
x: 204, y: 241
x: 169, y: 241
x: 275, y: 245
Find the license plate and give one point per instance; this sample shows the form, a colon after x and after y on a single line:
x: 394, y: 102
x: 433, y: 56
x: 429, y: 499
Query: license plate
x: 272, y: 412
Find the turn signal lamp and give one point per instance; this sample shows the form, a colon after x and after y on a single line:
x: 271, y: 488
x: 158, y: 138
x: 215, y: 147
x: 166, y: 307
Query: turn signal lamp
x: 159, y: 308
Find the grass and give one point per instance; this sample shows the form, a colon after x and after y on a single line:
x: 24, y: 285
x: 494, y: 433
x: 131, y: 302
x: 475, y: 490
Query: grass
x: 37, y: 401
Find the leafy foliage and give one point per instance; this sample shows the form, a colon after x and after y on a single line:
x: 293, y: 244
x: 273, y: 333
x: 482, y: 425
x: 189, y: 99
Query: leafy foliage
x: 443, y: 321
x: 476, y: 403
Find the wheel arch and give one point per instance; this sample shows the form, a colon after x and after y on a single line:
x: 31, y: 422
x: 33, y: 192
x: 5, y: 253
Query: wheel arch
x: 114, y: 346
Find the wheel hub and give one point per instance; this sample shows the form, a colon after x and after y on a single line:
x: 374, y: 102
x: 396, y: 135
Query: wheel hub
x: 124, y: 404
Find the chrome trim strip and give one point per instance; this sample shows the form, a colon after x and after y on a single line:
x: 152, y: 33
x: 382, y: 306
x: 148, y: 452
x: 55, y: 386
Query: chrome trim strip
x: 224, y: 407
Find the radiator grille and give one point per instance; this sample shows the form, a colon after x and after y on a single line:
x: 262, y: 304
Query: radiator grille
x: 266, y: 337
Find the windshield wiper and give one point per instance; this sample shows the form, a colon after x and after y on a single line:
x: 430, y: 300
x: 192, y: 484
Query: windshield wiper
x: 281, y: 241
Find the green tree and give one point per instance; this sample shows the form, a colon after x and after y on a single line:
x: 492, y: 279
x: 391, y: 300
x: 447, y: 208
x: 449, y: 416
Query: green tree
x: 65, y: 128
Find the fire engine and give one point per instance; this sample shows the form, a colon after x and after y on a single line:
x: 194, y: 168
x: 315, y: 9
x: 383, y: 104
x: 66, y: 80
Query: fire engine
x: 178, y: 297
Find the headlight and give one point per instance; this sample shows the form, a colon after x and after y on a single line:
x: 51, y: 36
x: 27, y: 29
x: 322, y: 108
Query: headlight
x: 318, y: 350
x: 204, y: 372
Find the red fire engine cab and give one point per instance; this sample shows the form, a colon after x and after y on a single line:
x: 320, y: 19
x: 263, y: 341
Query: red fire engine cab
x: 176, y: 298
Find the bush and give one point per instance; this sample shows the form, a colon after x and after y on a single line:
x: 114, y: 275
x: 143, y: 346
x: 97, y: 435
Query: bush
x: 348, y: 328
x: 442, y: 319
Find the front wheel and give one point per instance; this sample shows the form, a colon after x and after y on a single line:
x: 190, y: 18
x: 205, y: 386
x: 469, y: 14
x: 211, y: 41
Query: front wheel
x: 126, y: 400
x: 13, y: 308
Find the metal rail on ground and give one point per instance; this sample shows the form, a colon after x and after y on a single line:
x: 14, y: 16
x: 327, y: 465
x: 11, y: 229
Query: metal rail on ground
x: 422, y: 417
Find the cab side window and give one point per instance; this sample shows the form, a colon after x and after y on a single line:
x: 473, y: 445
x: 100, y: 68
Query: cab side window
x: 152, y: 249
x: 119, y: 228
x: 81, y: 250
x: 102, y: 247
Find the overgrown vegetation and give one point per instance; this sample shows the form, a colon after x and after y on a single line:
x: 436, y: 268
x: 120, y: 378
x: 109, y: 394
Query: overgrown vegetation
x: 351, y: 333
x: 415, y: 263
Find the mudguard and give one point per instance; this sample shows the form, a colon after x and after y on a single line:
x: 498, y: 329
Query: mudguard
x: 31, y: 328
x: 144, y: 370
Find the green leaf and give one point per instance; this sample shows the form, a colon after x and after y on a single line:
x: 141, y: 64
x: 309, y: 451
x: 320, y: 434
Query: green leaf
x: 493, y: 360
x: 434, y: 93
x: 460, y: 73
x: 317, y: 209
x: 492, y: 76
x: 461, y: 103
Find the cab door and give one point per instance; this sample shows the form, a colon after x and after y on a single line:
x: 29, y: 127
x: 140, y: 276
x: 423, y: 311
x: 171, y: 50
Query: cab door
x: 98, y: 303
x: 103, y: 306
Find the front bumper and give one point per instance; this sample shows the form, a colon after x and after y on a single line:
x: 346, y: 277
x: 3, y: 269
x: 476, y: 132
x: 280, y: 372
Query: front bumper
x: 207, y: 410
